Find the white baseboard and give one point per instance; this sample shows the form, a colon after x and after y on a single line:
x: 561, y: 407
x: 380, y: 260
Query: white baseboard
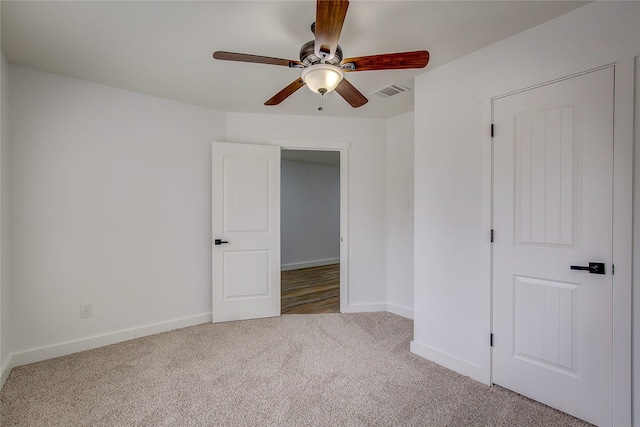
x: 308, y: 264
x: 450, y: 362
x: 365, y: 308
x: 400, y: 311
x: 369, y: 308
x: 63, y: 349
x: 5, y: 370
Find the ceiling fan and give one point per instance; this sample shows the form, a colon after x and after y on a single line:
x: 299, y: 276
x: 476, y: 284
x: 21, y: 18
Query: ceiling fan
x: 322, y: 62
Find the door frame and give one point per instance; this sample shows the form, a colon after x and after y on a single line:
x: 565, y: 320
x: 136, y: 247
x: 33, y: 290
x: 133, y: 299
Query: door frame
x: 623, y: 61
x: 343, y: 147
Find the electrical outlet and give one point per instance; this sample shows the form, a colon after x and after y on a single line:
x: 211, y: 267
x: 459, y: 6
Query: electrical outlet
x: 86, y: 310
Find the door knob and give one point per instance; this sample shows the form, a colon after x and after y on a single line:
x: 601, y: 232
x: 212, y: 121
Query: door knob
x: 593, y: 268
x: 219, y: 242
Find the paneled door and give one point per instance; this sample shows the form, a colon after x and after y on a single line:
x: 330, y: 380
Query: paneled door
x: 552, y: 265
x: 246, y: 231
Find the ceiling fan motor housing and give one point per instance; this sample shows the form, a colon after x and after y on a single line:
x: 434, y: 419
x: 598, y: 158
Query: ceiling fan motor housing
x: 308, y: 56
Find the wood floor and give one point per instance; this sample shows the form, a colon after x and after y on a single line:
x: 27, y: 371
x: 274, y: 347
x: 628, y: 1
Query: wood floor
x: 311, y: 290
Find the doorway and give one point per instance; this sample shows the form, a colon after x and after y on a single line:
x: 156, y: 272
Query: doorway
x: 245, y: 223
x: 310, y: 231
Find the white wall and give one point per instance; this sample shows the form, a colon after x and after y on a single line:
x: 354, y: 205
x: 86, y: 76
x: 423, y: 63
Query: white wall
x: 309, y: 214
x: 106, y: 199
x: 367, y: 187
x: 110, y: 203
x: 448, y: 251
x: 451, y: 228
x: 400, y: 144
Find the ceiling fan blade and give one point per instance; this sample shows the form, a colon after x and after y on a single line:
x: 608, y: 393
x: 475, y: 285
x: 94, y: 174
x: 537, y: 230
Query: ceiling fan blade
x: 389, y: 61
x: 285, y: 93
x: 330, y: 16
x: 244, y: 57
x: 351, y: 94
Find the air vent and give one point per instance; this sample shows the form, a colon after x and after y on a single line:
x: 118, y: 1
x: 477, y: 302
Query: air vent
x: 391, y: 89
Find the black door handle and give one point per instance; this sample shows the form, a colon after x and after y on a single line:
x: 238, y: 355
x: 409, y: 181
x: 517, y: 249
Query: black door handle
x: 219, y: 242
x: 593, y: 268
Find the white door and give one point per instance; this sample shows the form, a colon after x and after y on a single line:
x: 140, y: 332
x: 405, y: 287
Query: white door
x: 246, y: 231
x: 553, y: 189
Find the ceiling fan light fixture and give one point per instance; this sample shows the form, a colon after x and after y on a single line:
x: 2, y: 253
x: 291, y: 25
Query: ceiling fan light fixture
x: 322, y: 78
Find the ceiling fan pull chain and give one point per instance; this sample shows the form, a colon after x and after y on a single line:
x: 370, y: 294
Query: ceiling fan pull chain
x: 320, y: 108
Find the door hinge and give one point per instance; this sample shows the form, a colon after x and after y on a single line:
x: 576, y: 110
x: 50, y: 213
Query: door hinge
x: 613, y: 269
x: 491, y: 340
x: 491, y: 130
x: 492, y: 235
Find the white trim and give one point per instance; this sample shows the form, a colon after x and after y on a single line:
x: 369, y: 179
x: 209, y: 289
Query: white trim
x: 373, y: 308
x: 400, y: 311
x: 5, y: 370
x: 343, y: 147
x: 308, y: 264
x: 635, y: 351
x: 623, y: 239
x: 448, y: 361
x: 75, y: 346
x: 316, y: 145
x: 344, y: 228
x: 364, y: 308
x: 486, y: 216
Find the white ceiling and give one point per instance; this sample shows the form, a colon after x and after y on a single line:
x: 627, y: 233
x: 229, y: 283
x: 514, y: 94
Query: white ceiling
x: 164, y: 48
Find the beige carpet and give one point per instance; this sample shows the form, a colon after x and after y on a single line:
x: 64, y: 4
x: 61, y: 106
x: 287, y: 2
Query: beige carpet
x: 296, y: 370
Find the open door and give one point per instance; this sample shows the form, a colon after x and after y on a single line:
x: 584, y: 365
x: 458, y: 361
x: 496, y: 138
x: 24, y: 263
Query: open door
x: 246, y: 231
